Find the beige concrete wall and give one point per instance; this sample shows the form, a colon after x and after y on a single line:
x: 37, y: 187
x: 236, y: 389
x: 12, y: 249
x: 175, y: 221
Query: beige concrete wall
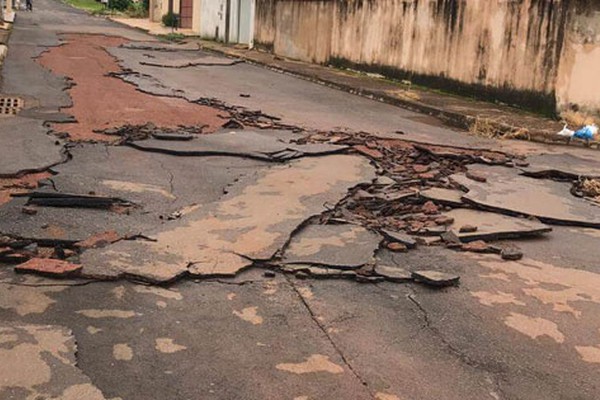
x: 578, y: 83
x: 507, y: 45
x: 158, y: 8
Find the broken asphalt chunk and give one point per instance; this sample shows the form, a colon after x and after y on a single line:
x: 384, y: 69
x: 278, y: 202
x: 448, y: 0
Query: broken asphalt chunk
x: 401, y: 237
x: 72, y: 200
x: 511, y: 254
x: 549, y: 201
x: 393, y: 273
x: 444, y: 196
x: 493, y: 226
x: 435, y: 278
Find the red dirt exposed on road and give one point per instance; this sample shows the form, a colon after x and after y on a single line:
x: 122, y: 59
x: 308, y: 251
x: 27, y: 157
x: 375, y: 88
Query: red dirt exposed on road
x: 10, y: 186
x: 102, y: 102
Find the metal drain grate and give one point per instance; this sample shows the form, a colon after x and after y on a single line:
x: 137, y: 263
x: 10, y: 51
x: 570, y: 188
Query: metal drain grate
x: 10, y: 105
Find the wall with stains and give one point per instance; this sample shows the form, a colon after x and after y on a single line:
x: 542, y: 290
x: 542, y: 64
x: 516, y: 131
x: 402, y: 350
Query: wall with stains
x: 212, y: 19
x: 508, y: 50
x: 578, y: 83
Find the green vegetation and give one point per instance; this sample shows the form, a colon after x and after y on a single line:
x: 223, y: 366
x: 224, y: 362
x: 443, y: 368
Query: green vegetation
x: 127, y: 8
x: 170, y: 20
x: 88, y: 5
x: 172, y: 37
x: 119, y: 5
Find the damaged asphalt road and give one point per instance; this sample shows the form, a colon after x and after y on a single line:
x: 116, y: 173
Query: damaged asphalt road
x: 176, y: 224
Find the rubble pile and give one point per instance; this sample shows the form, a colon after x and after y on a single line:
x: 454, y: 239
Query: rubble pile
x: 400, y: 203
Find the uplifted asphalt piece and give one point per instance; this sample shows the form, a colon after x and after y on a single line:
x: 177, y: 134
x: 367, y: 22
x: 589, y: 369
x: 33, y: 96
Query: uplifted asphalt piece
x: 336, y: 246
x: 562, y: 165
x: 267, y: 146
x: 38, y: 361
x: 157, y: 184
x: 251, y: 223
x: 54, y: 199
x: 161, y: 46
x: 184, y: 62
x: 56, y: 225
x: 435, y: 278
x: 493, y: 226
x: 26, y: 147
x: 550, y: 201
x: 443, y: 196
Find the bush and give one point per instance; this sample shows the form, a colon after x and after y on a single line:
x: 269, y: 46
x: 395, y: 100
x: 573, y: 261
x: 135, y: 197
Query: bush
x: 170, y: 20
x: 119, y: 5
x: 136, y: 10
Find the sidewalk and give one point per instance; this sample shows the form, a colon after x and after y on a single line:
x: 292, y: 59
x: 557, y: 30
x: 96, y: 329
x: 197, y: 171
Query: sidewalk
x: 484, y: 118
x: 153, y: 28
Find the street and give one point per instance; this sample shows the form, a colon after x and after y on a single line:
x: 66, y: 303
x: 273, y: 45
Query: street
x: 177, y: 224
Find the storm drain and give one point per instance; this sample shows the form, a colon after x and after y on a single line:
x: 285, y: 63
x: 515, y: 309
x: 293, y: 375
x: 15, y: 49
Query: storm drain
x: 10, y: 105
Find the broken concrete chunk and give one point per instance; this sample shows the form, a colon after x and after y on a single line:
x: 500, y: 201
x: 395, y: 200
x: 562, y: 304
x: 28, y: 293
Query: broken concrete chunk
x: 49, y: 267
x: 401, y: 237
x: 493, y: 226
x: 436, y: 278
x: 393, y: 273
x: 341, y: 246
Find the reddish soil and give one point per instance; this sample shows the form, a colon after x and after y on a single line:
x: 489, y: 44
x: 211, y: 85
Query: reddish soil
x: 23, y: 184
x: 102, y: 102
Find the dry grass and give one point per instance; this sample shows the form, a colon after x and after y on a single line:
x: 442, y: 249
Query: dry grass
x: 591, y: 187
x: 576, y: 119
x: 485, y: 128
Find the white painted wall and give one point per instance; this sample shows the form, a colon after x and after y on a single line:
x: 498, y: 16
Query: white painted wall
x: 212, y: 19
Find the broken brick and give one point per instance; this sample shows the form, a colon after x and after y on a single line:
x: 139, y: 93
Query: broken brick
x: 468, y: 229
x: 397, y: 247
x: 444, y: 220
x: 477, y: 246
x: 476, y: 176
x: 430, y: 208
x: 373, y: 153
x: 48, y: 266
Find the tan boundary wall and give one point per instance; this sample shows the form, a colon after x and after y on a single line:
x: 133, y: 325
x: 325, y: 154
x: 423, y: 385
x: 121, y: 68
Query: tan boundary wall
x: 508, y: 50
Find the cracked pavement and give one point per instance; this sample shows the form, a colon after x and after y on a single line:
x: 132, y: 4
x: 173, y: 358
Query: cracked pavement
x: 218, y: 230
